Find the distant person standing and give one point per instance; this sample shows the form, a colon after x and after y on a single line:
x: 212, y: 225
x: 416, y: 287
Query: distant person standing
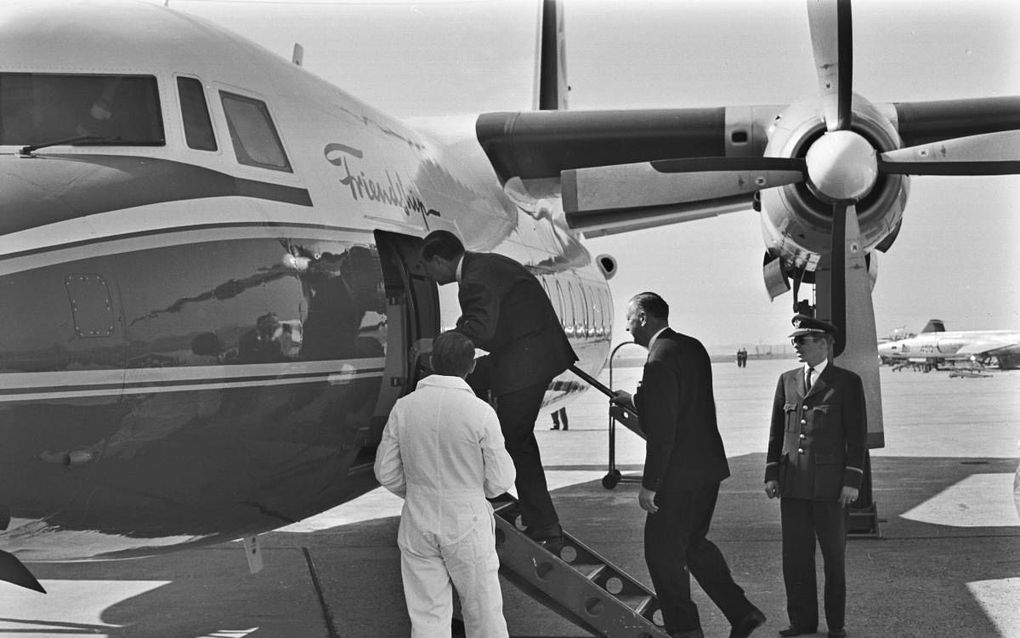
x: 559, y: 418
x: 442, y: 451
x: 684, y: 464
x: 505, y: 311
x: 815, y: 463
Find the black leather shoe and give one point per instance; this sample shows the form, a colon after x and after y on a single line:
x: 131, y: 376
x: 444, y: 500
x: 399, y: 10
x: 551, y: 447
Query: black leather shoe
x: 746, y: 627
x: 796, y: 631
x: 539, y: 534
x: 837, y: 633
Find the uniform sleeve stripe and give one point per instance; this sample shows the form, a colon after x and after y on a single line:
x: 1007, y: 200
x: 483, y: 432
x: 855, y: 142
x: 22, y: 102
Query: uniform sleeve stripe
x: 854, y: 469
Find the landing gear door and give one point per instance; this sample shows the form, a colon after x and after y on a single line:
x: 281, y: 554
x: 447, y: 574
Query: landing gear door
x: 412, y: 313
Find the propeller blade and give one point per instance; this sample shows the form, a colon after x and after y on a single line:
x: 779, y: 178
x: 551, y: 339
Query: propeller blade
x: 667, y: 182
x: 987, y: 154
x: 13, y: 571
x: 832, y: 42
x: 837, y: 296
x: 843, y: 292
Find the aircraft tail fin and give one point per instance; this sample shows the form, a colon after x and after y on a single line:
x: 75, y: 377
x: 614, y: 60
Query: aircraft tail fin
x: 934, y: 325
x: 551, y: 64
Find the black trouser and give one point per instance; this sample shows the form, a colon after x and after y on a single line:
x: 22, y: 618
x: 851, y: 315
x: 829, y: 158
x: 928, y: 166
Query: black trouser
x: 676, y: 548
x: 517, y: 412
x: 803, y: 521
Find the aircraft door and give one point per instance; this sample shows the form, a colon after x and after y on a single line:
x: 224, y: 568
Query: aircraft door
x: 412, y: 313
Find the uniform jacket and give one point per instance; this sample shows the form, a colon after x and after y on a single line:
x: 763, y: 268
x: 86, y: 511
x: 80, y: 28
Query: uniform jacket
x: 676, y: 408
x: 816, y: 441
x: 505, y: 310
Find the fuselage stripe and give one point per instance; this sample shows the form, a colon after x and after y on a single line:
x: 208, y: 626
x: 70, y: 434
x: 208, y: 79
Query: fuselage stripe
x: 178, y: 229
x: 64, y: 392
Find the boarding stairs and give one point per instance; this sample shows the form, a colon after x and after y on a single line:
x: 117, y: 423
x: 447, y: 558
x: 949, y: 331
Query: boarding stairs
x: 575, y: 581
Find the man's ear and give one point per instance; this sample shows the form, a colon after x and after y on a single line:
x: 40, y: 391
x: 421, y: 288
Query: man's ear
x: 472, y: 369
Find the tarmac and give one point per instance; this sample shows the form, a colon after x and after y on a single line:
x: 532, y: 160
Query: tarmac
x: 947, y: 562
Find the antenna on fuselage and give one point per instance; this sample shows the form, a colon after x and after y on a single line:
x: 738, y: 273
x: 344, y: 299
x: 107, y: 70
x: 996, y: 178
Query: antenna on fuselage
x: 298, y: 56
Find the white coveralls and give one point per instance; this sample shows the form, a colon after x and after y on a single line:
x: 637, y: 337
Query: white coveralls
x: 443, y: 452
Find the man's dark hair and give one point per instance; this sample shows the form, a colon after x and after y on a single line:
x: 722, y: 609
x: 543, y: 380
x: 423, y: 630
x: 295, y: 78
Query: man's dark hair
x: 452, y: 354
x: 651, y: 304
x: 441, y: 243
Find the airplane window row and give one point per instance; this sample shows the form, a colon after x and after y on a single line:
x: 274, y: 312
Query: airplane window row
x: 585, y: 311
x: 125, y: 110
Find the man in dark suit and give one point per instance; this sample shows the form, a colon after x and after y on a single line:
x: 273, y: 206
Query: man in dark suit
x: 815, y: 463
x: 684, y: 464
x: 505, y: 311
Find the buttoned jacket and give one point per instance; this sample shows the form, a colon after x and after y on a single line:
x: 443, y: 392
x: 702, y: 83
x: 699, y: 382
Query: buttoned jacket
x: 817, y: 439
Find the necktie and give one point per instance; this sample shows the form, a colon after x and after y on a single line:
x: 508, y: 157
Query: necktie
x: 807, y: 379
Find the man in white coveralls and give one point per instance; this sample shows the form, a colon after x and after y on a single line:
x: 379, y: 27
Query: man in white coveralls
x: 443, y: 452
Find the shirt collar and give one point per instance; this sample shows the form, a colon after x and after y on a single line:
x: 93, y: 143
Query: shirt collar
x: 444, y: 381
x: 460, y: 268
x: 818, y: 368
x: 656, y: 336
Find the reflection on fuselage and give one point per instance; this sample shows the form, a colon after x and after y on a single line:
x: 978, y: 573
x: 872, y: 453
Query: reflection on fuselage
x: 120, y: 370
x: 190, y: 391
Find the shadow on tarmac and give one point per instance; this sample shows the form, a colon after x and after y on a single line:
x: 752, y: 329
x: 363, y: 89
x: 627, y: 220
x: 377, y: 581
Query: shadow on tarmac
x: 920, y: 579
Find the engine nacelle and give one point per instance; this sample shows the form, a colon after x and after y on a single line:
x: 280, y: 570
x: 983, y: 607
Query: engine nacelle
x: 796, y: 220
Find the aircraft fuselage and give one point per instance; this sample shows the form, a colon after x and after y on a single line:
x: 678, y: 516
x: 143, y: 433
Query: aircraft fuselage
x: 210, y: 294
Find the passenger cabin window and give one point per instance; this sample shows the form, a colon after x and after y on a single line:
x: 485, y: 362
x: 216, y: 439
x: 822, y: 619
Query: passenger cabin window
x: 256, y: 142
x: 198, y: 130
x: 43, y: 108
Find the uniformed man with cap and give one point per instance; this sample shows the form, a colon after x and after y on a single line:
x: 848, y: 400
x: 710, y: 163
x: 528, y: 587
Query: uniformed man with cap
x: 815, y: 463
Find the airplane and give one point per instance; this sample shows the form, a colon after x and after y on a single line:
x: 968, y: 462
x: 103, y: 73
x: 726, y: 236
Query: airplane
x: 210, y: 263
x: 934, y: 347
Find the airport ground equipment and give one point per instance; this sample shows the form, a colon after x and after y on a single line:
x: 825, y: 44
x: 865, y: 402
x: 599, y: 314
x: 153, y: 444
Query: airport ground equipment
x: 617, y: 414
x: 575, y: 581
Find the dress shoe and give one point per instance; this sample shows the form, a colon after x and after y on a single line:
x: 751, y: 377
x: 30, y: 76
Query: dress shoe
x: 544, y: 533
x: 748, y: 624
x: 550, y: 537
x: 837, y: 633
x: 796, y: 631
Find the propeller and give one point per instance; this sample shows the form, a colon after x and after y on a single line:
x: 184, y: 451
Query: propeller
x: 839, y: 167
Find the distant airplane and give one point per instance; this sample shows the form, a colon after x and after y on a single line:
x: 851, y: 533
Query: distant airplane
x: 208, y: 255
x: 934, y: 347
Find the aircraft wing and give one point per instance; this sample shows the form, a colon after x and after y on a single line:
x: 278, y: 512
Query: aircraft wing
x: 531, y: 150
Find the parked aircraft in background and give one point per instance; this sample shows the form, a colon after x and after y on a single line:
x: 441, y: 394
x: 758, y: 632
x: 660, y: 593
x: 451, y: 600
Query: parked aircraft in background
x: 208, y: 254
x: 934, y: 347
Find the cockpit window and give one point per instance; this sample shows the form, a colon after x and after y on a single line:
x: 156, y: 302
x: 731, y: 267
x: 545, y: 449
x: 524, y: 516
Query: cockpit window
x: 198, y: 130
x: 42, y: 108
x: 256, y: 142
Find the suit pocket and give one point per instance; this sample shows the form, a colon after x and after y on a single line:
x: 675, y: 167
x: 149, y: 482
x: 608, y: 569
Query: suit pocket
x: 792, y: 425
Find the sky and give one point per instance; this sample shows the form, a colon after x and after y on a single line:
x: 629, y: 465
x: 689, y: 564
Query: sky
x: 959, y: 250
